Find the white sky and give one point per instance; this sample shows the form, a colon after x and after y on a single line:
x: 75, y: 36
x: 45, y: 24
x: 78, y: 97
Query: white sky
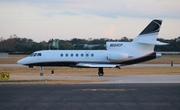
x: 66, y: 19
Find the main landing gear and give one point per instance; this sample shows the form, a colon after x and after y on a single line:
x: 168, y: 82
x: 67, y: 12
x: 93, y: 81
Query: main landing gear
x: 52, y: 71
x: 100, y: 71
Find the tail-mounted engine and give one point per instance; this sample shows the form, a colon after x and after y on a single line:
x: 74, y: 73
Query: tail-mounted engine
x: 117, y: 56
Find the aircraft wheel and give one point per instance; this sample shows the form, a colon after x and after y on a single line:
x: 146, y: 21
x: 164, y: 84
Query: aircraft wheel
x: 41, y: 71
x: 41, y: 74
x: 100, y: 74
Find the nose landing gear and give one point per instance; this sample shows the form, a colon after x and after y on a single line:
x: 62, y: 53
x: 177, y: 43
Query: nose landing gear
x: 41, y: 71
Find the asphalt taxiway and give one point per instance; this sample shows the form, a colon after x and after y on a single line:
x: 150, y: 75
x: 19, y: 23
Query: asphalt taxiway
x: 139, y: 92
x: 91, y: 97
x: 113, y: 79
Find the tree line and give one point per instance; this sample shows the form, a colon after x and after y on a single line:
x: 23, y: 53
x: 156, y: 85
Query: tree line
x: 14, y: 44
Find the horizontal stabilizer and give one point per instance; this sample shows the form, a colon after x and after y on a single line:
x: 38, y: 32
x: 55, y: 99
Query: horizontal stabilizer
x: 152, y: 43
x: 96, y: 65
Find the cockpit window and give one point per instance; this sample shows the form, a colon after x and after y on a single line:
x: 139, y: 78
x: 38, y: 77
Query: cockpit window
x: 35, y: 54
x: 39, y: 54
x: 31, y: 54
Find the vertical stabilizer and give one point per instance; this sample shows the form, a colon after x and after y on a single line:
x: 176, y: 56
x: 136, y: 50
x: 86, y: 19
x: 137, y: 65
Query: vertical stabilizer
x: 150, y: 33
x: 152, y: 28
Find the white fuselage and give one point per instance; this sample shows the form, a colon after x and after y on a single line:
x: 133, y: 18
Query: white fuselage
x: 116, y: 53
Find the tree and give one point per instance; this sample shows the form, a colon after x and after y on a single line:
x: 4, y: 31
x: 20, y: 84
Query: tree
x: 24, y: 45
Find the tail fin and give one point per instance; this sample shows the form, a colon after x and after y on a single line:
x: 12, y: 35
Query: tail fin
x: 150, y: 33
x: 152, y: 28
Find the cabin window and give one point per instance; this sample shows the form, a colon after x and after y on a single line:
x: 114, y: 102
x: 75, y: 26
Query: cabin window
x: 61, y: 55
x: 92, y: 55
x: 71, y: 55
x: 87, y: 55
x: 66, y: 55
x: 77, y: 55
x: 82, y: 55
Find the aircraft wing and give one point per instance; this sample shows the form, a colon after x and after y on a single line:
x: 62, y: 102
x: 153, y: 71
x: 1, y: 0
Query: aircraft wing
x: 94, y: 65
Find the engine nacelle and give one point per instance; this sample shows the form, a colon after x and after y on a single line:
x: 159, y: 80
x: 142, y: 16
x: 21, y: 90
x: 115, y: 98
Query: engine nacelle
x: 117, y: 56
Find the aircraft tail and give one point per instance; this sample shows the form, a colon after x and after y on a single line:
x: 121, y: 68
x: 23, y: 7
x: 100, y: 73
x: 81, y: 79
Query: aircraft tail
x: 140, y: 49
x: 150, y: 33
x: 143, y: 44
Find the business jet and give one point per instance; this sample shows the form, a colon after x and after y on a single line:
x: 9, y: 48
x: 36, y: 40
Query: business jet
x: 117, y: 54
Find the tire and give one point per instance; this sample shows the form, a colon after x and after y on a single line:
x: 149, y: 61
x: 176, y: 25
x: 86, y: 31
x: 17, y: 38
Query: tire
x: 100, y: 74
x: 41, y: 74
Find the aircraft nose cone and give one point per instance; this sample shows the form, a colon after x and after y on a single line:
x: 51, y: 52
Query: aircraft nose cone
x: 19, y: 61
x: 22, y: 61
